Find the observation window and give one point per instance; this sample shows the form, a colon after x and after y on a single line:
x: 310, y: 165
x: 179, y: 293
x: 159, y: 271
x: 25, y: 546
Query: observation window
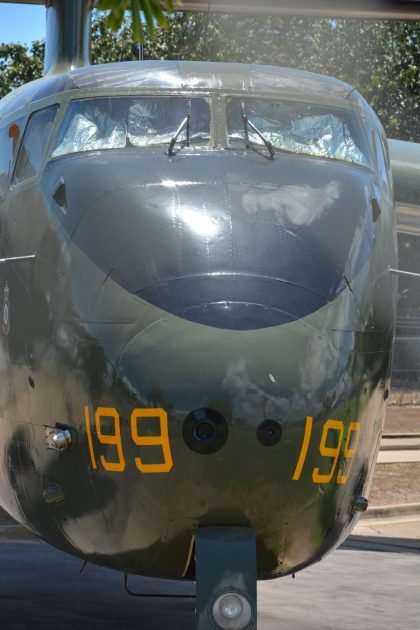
x: 35, y: 140
x: 9, y: 142
x: 297, y: 128
x: 120, y: 122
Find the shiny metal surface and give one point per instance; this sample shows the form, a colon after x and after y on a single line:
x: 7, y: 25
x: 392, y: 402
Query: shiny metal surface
x: 68, y: 35
x: 177, y: 76
x: 62, y: 440
x: 212, y: 279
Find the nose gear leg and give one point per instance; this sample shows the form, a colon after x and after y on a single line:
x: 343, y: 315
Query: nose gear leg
x: 226, y: 575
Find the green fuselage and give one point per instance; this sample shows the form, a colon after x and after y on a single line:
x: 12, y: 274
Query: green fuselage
x: 213, y: 279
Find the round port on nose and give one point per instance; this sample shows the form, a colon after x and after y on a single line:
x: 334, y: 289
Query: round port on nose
x: 205, y: 430
x: 269, y: 432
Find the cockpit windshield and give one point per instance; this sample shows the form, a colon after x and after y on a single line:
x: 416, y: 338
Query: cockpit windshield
x: 120, y: 122
x: 297, y: 128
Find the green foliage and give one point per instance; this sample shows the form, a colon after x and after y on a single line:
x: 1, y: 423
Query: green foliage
x: 152, y: 11
x: 380, y: 58
x: 19, y: 64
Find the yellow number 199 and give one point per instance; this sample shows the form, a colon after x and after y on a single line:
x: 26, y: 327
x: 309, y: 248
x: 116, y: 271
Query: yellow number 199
x: 116, y: 462
x: 333, y: 431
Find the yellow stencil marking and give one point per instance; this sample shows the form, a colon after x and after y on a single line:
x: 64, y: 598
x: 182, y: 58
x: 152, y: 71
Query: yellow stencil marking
x: 305, y: 446
x: 349, y: 453
x: 89, y: 438
x: 329, y: 451
x: 155, y: 440
x: 114, y: 439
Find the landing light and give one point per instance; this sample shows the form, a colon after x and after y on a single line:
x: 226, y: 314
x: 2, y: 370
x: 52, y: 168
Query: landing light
x: 231, y: 611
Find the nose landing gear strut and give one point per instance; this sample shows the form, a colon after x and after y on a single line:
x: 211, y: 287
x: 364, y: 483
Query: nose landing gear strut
x: 226, y: 576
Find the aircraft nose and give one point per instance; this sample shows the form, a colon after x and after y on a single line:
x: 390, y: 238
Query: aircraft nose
x: 236, y: 403
x: 220, y: 248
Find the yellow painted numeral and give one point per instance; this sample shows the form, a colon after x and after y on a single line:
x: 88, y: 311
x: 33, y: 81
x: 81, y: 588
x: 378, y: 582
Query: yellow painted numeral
x: 304, y: 449
x: 89, y: 439
x: 113, y: 439
x: 349, y: 453
x: 329, y: 451
x: 156, y: 440
x: 331, y: 447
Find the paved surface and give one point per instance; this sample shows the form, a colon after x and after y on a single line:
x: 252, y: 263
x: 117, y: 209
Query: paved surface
x: 399, y: 448
x: 402, y: 531
x: 41, y: 588
x: 399, y: 456
x: 403, y: 419
x: 400, y: 441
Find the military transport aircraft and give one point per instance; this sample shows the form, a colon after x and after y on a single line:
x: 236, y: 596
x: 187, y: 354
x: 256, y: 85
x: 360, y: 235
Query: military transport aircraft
x: 198, y: 314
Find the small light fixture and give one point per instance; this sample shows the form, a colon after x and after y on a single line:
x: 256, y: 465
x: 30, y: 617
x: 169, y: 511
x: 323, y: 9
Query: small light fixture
x: 360, y: 504
x: 231, y: 611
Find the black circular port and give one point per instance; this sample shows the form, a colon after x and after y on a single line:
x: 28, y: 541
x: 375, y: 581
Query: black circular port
x: 269, y: 432
x: 205, y: 431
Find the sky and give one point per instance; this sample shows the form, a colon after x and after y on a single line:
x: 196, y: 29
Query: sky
x: 21, y: 23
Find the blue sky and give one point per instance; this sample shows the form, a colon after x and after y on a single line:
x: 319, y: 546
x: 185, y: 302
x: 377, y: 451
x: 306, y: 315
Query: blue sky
x: 21, y: 23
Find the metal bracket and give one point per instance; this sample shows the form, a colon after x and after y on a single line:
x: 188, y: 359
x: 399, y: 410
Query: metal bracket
x: 151, y: 595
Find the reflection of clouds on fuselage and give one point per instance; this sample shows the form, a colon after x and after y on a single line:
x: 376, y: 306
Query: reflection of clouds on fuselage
x: 248, y: 399
x: 301, y: 204
x: 318, y: 371
x: 359, y: 240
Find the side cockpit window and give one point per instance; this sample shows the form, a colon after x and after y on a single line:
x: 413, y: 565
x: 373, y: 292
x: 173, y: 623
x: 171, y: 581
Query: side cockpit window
x: 9, y: 142
x: 34, y: 143
x: 120, y: 122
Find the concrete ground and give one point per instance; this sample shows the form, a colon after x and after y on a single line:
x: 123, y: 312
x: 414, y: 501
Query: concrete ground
x: 400, y: 529
x: 404, y: 419
x: 42, y: 588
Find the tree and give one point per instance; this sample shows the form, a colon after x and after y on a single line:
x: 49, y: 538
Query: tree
x: 380, y: 58
x: 19, y: 64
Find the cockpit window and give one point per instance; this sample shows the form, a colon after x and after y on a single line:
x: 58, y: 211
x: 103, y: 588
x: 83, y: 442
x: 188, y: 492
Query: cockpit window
x: 297, y: 128
x: 120, y: 122
x: 34, y: 143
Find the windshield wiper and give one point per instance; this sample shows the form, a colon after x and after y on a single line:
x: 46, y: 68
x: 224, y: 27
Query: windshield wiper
x: 247, y: 123
x: 185, y: 123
